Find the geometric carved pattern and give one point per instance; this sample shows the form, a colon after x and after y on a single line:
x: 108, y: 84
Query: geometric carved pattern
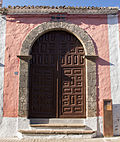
x: 73, y: 92
x: 57, y: 55
x: 72, y: 68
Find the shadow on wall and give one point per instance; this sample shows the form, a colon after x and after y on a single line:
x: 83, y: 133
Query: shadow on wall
x: 116, y: 119
x: 116, y: 122
x: 103, y: 62
x: 100, y: 62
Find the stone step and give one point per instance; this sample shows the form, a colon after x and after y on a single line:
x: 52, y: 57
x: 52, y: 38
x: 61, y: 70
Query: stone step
x: 58, y: 125
x: 56, y: 128
x: 57, y: 121
x: 63, y: 131
x: 60, y: 133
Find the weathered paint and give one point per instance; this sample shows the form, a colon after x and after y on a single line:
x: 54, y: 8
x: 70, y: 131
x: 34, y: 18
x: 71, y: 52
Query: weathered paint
x: 98, y: 30
x: 96, y: 124
x: 114, y: 51
x: 8, y: 127
x: 2, y: 55
x: 119, y: 25
x: 16, y: 123
x: 18, y: 28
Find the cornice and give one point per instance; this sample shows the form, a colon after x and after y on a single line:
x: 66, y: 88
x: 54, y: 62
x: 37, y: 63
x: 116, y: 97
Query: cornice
x: 61, y: 9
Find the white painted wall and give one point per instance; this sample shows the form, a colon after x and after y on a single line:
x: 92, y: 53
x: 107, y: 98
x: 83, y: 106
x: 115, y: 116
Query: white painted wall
x: 96, y: 124
x: 8, y: 127
x: 114, y: 52
x: 2, y: 55
x: 8, y: 124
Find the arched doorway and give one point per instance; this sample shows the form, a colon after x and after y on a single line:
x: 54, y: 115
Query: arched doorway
x: 57, y: 77
x: 89, y: 48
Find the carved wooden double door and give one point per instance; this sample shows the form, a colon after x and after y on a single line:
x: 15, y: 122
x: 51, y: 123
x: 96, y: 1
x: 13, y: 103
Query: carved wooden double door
x: 57, y: 77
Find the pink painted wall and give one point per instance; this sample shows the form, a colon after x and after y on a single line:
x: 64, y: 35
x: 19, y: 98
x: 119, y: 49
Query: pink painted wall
x: 16, y: 31
x: 97, y: 28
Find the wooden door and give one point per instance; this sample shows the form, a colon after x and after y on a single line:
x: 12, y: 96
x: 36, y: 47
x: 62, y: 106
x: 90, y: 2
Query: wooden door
x: 57, y: 77
x: 72, y: 102
x: 43, y: 77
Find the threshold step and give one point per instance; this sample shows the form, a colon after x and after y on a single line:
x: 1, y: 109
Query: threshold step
x: 58, y: 125
x: 63, y: 131
x: 57, y: 121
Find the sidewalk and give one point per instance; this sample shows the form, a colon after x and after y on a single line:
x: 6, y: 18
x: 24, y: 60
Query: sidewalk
x: 113, y: 139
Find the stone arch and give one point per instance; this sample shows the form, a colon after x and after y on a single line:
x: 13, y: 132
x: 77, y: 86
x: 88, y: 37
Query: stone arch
x: 49, y: 26
x: 90, y: 65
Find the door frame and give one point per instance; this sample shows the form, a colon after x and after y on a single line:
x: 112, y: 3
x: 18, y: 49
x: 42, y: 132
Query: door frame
x: 85, y: 39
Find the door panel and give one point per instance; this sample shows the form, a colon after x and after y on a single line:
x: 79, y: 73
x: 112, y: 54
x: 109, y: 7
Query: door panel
x: 72, y: 78
x: 43, y: 77
x: 43, y: 104
x: 72, y: 93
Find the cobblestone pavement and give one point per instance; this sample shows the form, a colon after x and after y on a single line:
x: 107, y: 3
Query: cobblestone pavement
x: 113, y: 139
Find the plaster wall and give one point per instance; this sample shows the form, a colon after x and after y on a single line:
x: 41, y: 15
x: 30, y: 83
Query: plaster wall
x: 97, y: 28
x: 9, y: 127
x: 119, y: 25
x: 114, y: 51
x: 16, y: 31
x: 104, y: 33
x: 2, y: 55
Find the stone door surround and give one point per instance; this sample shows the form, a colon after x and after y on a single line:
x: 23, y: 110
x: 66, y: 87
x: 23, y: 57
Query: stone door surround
x: 88, y: 45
